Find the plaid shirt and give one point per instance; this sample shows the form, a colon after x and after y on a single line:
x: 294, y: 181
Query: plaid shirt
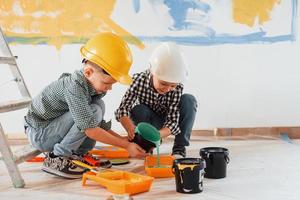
x: 70, y: 93
x: 142, y: 92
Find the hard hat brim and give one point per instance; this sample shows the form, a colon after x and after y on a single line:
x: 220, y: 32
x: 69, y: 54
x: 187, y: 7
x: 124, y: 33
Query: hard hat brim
x: 126, y: 80
x: 123, y: 79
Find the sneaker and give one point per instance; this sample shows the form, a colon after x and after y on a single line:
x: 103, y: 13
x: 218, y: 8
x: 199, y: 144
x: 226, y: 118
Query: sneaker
x: 61, y: 166
x: 179, y: 152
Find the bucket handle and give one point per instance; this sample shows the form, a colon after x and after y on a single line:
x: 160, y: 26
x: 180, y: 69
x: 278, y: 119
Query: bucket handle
x: 227, y: 159
x: 173, y: 168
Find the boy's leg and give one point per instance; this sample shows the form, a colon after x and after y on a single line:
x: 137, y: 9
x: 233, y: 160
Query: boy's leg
x: 88, y: 144
x: 58, y: 162
x: 142, y: 113
x: 76, y: 141
x: 62, y: 136
x: 188, y: 109
x: 44, y: 139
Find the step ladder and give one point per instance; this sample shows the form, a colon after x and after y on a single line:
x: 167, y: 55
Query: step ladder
x: 13, y: 159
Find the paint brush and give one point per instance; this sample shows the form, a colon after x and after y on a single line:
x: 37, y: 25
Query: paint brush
x: 91, y: 168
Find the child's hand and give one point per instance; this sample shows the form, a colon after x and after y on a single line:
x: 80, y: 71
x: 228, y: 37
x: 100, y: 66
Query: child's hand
x: 136, y: 151
x: 131, y: 135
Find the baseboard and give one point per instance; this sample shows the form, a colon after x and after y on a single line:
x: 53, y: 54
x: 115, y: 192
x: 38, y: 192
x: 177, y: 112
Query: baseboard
x: 292, y: 132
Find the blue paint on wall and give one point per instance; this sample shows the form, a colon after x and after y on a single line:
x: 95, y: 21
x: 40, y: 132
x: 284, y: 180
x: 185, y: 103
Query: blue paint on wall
x: 136, y: 5
x: 294, y: 17
x: 258, y: 37
x: 178, y: 11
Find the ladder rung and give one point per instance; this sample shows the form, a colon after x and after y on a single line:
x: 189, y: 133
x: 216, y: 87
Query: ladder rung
x: 8, y: 60
x: 25, y: 153
x: 14, y: 105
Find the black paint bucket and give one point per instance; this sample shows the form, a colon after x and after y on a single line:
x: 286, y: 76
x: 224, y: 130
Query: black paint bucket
x: 145, y: 144
x: 216, y: 159
x: 189, y: 174
x: 146, y: 136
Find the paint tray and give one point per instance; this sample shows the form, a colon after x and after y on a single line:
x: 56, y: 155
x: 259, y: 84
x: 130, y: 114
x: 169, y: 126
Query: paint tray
x: 162, y: 171
x: 120, y: 182
x: 110, y: 152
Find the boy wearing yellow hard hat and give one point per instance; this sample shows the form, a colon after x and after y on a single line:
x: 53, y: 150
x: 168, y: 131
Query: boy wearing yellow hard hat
x: 67, y: 117
x: 156, y: 97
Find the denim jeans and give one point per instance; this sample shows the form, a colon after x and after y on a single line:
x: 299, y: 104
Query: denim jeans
x: 187, y: 109
x: 62, y: 135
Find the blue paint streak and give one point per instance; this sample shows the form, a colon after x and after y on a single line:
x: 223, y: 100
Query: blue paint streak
x: 258, y: 37
x: 212, y: 38
x: 294, y: 17
x: 178, y: 11
x: 285, y: 137
x: 136, y: 5
x: 215, y: 39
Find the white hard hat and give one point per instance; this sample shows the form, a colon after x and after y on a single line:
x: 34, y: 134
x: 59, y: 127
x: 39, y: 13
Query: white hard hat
x: 166, y: 62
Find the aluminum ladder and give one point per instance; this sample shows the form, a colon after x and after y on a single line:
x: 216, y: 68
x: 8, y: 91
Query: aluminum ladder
x: 13, y: 159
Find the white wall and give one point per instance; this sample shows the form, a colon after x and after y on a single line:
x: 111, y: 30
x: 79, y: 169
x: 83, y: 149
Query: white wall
x: 246, y: 85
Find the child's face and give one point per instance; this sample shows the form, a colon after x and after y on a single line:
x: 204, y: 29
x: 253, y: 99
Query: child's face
x: 101, y: 82
x: 163, y: 87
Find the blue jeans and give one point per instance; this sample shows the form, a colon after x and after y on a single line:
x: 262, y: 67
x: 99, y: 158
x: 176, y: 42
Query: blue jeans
x: 62, y: 135
x: 188, y: 109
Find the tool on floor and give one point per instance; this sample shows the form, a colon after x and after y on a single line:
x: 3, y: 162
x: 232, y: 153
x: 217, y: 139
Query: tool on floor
x: 12, y: 159
x: 120, y: 182
x: 164, y: 170
x: 109, y: 152
x: 81, y: 164
x: 119, y: 197
x: 36, y: 159
x: 117, y: 161
x: 116, y: 181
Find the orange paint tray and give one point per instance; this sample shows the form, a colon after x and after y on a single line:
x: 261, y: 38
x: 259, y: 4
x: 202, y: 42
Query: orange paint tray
x: 120, y: 182
x: 166, y: 163
x: 110, y: 152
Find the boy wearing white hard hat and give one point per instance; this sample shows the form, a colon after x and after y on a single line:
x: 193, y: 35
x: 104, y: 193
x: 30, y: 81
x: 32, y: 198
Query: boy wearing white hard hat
x: 156, y: 97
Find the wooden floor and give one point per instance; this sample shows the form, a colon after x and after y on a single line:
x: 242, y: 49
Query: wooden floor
x: 259, y: 168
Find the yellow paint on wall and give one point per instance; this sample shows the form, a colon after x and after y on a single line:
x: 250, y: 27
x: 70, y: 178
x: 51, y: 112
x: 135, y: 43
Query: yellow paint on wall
x: 247, y: 11
x: 59, y: 22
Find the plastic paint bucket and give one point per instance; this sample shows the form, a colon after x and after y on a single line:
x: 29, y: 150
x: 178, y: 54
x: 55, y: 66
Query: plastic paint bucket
x: 216, y: 159
x: 189, y: 174
x: 146, y: 136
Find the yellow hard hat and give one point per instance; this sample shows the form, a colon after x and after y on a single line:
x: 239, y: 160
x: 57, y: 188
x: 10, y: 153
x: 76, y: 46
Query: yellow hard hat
x: 111, y: 53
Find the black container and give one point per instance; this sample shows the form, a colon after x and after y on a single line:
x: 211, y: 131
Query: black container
x: 145, y: 144
x: 189, y: 174
x: 216, y: 159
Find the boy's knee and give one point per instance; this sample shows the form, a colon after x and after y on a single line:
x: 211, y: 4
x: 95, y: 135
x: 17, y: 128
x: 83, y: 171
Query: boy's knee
x: 100, y: 103
x: 140, y: 113
x: 98, y: 111
x: 188, y: 99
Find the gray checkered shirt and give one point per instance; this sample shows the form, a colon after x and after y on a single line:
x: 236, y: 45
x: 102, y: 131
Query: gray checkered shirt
x: 141, y: 91
x: 70, y: 93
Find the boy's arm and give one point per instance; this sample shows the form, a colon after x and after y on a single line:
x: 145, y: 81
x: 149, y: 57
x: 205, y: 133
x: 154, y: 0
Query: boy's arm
x: 129, y: 126
x: 165, y: 132
x: 171, y: 125
x: 122, y: 113
x: 79, y: 107
x: 103, y: 136
x: 117, y: 135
